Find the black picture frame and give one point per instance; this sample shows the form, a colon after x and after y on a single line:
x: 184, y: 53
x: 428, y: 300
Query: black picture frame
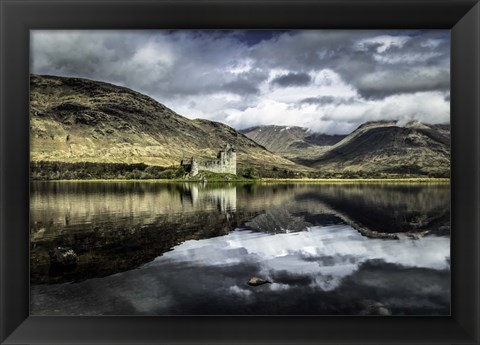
x: 17, y: 17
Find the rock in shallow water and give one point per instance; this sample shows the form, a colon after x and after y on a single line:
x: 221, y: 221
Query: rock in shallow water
x: 255, y: 281
x: 61, y: 256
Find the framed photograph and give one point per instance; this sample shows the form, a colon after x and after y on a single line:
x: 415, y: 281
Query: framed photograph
x: 239, y: 172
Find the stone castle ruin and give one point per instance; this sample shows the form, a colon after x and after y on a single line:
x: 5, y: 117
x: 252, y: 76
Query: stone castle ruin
x: 226, y: 163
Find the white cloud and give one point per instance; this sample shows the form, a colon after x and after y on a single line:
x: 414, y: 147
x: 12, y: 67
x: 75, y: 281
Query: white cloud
x: 427, y: 107
x: 382, y: 43
x: 405, y: 58
x: 242, y: 66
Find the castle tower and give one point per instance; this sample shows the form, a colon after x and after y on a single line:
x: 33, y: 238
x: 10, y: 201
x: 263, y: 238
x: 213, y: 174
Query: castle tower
x: 231, y: 159
x: 194, y: 168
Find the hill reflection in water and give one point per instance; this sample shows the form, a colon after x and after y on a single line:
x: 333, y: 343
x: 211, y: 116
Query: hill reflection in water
x: 350, y: 248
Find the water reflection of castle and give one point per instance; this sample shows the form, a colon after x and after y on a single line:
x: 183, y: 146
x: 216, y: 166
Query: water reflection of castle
x: 224, y: 198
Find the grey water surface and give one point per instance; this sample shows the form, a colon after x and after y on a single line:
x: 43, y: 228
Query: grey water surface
x: 189, y: 248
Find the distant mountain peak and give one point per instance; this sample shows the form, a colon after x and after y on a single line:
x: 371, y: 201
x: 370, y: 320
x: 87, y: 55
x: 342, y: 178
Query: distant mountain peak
x: 291, y: 141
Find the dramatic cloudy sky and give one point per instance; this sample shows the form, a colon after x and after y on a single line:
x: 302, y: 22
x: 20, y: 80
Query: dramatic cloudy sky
x: 328, y: 81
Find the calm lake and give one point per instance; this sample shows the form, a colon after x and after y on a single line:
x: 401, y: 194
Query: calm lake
x: 146, y: 248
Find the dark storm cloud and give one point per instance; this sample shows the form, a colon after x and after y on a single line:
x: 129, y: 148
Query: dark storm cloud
x: 241, y: 87
x: 387, y: 83
x: 244, y: 83
x: 163, y: 65
x: 199, y: 60
x: 421, y: 63
x: 324, y: 100
x: 318, y: 100
x: 292, y: 79
x: 372, y: 61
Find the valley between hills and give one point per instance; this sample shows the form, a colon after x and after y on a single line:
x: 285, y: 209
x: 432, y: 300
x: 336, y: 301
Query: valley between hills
x: 84, y: 129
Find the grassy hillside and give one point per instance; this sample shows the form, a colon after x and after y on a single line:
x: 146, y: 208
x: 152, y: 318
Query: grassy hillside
x: 77, y: 120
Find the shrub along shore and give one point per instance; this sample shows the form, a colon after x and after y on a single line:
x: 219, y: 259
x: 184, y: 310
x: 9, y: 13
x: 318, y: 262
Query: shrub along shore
x: 88, y: 171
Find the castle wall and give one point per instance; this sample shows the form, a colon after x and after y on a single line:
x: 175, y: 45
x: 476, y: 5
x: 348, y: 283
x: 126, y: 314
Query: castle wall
x: 226, y: 163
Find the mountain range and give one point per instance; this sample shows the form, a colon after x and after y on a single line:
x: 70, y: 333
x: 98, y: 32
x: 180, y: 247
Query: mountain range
x: 413, y: 149
x: 78, y: 120
x: 291, y: 142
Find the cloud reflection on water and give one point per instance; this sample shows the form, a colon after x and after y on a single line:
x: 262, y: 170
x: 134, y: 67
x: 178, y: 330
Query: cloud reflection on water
x: 325, y: 270
x: 332, y: 251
